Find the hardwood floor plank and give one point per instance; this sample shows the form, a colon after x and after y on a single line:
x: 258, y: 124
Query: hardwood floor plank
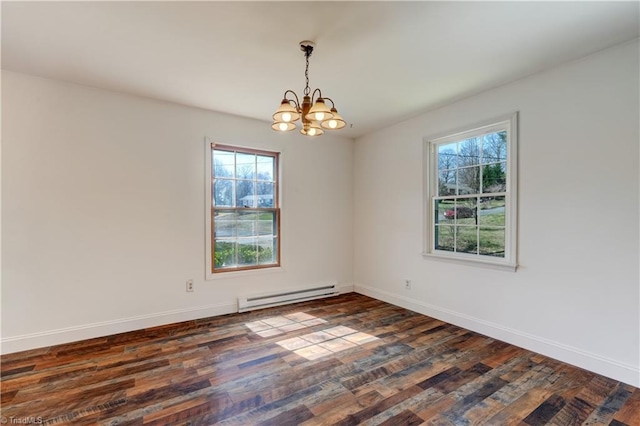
x: 405, y: 418
x: 337, y: 413
x: 538, y: 377
x: 439, y: 406
x: 614, y: 401
x: 7, y: 397
x: 519, y: 409
x: 458, y: 410
x: 630, y: 411
x: 292, y: 417
x: 440, y: 377
x: 615, y: 422
x: 575, y: 411
x: 313, y: 394
x: 364, y: 362
x: 8, y: 373
x: 484, y: 410
x: 461, y: 378
x: 86, y: 414
x: 545, y: 411
x: 379, y: 407
x: 415, y: 403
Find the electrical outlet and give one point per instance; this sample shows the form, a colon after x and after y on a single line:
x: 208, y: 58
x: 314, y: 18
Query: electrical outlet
x: 407, y: 284
x: 189, y: 285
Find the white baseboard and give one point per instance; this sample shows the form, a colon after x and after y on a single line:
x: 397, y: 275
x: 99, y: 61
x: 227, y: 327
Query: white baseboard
x: 345, y: 288
x: 99, y: 329
x: 623, y: 372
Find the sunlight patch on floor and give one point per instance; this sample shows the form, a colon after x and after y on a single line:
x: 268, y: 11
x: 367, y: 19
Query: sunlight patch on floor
x: 313, y: 345
x: 282, y: 324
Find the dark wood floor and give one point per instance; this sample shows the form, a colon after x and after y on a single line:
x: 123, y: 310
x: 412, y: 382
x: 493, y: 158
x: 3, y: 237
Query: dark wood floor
x: 345, y: 360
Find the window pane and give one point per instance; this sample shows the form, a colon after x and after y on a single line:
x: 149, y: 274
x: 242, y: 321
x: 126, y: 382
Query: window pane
x: 494, y: 147
x: 247, y: 251
x: 491, y: 211
x: 224, y: 253
x: 224, y: 223
x: 265, y: 194
x: 444, y: 237
x: 245, y: 193
x: 467, y: 239
x: 447, y: 184
x: 447, y: 156
x: 245, y: 166
x: 469, y: 152
x: 247, y: 224
x: 492, y: 241
x: 265, y: 168
x: 494, y: 178
x: 223, y: 193
x: 266, y: 223
x: 229, y: 223
x: 469, y: 180
x: 444, y: 210
x: 465, y: 211
x: 267, y: 250
x: 223, y: 164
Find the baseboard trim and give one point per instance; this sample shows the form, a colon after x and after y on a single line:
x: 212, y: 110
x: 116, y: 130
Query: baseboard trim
x: 105, y: 328
x: 345, y: 288
x: 589, y: 361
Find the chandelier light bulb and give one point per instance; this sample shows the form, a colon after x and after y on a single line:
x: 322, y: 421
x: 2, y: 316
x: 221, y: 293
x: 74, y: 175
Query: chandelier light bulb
x: 311, y: 132
x: 286, y: 117
x: 281, y: 126
x: 334, y: 123
x: 319, y: 111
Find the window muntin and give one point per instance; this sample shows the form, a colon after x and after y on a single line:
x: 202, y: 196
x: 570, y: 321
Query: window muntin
x: 471, y: 204
x: 245, y: 214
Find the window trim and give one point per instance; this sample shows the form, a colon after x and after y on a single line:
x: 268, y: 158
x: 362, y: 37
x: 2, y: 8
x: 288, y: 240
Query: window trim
x: 509, y: 262
x: 210, y: 274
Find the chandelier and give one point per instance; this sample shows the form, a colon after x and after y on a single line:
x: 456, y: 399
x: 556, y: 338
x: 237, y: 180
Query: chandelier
x: 316, y: 116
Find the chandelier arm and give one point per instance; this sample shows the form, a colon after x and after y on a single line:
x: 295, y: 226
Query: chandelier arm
x: 297, y: 101
x: 314, y: 93
x: 333, y: 105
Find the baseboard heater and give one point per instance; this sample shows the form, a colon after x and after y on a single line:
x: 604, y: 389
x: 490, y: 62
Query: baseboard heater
x: 259, y: 301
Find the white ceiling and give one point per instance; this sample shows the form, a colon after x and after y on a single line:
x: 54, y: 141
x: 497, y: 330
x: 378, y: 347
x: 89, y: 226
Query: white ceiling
x: 381, y: 62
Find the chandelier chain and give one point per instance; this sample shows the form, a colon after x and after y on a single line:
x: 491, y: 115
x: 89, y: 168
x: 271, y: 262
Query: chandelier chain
x: 306, y: 74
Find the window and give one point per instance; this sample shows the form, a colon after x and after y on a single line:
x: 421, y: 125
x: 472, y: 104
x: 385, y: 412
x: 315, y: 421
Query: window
x: 244, y: 209
x: 471, y: 187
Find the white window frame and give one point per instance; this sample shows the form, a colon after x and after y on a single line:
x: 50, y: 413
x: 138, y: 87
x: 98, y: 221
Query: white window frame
x: 209, y: 274
x: 509, y: 262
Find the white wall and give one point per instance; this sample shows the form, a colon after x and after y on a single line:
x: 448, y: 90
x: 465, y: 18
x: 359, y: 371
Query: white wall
x: 103, y: 211
x: 575, y: 295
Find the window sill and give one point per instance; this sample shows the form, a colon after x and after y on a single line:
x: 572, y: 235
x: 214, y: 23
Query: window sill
x: 471, y: 261
x: 238, y: 274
